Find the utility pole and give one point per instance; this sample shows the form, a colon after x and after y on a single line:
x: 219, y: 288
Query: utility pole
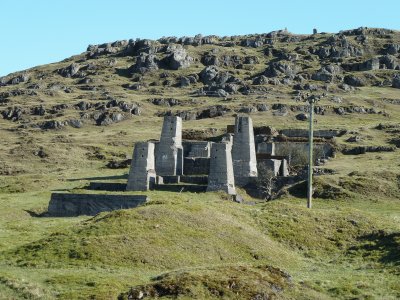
x: 311, y: 99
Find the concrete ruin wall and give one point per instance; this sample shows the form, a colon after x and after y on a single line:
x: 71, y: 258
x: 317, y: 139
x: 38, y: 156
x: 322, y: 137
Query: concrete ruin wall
x: 272, y: 165
x: 243, y: 151
x: 284, y: 170
x: 267, y: 148
x: 142, y: 175
x: 198, y: 149
x: 196, y: 166
x: 71, y: 205
x: 169, y: 151
x: 221, y: 176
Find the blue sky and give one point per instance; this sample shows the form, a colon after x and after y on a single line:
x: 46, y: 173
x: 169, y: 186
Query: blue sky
x: 35, y: 32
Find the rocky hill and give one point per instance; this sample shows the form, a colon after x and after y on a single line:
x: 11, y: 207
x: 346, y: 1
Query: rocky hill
x: 65, y: 124
x: 115, y: 81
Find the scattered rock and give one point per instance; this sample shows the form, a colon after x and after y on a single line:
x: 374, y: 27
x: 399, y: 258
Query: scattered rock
x: 165, y: 101
x: 364, y: 149
x: 213, y: 111
x: 13, y: 113
x: 69, y: 71
x: 278, y: 68
x: 39, y: 110
x: 113, y: 164
x: 396, y: 81
x: 259, y: 80
x: 107, y: 118
x: 262, y: 107
x: 302, y: 117
x: 178, y: 59
x: 354, y: 81
x: 326, y: 73
x: 52, y: 124
x: 144, y: 63
x: 75, y: 123
x: 247, y: 109
x: 354, y: 139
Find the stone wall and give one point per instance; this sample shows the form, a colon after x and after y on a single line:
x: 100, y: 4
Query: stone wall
x: 328, y: 134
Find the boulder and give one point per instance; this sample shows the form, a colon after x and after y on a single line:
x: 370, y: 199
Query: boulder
x: 69, y: 71
x: 107, y: 118
x: 396, y: 81
x: 13, y: 113
x: 83, y: 105
x: 247, y: 109
x: 326, y: 73
x: 184, y: 81
x: 75, y: 123
x: 262, y: 107
x: 302, y: 117
x: 209, y: 74
x: 259, y: 80
x: 187, y: 115
x: 24, y: 77
x: 251, y: 60
x: 178, y: 59
x: 52, y: 124
x: 390, y: 62
x: 210, y: 60
x: 278, y: 68
x: 212, y: 112
x: 144, y: 63
x: 392, y: 49
x: 39, y: 110
x: 354, y: 81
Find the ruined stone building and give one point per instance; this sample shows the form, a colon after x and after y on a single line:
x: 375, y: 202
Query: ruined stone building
x: 219, y: 166
x: 241, y: 158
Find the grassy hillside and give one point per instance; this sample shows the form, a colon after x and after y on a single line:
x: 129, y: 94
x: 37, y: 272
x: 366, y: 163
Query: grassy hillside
x: 188, y: 245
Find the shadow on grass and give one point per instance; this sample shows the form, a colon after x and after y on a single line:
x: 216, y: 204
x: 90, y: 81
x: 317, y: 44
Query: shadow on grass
x: 125, y: 176
x: 37, y: 214
x: 383, y: 246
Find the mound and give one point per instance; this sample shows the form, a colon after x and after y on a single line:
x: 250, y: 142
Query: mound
x: 161, y: 236
x: 233, y: 282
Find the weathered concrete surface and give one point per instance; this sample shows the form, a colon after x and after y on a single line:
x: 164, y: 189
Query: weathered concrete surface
x: 196, y: 166
x: 170, y: 179
x: 284, y: 170
x: 244, y: 151
x: 221, y: 176
x: 199, y: 149
x: 169, y: 151
x: 267, y: 148
x: 202, y: 179
x: 272, y: 165
x: 142, y: 176
x: 71, y: 205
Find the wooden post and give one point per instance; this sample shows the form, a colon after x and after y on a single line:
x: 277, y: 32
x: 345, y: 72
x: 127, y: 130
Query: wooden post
x: 310, y: 154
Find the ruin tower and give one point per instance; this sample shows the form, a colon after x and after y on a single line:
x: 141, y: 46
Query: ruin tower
x: 169, y: 151
x: 221, y: 176
x: 142, y: 175
x: 244, y: 151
